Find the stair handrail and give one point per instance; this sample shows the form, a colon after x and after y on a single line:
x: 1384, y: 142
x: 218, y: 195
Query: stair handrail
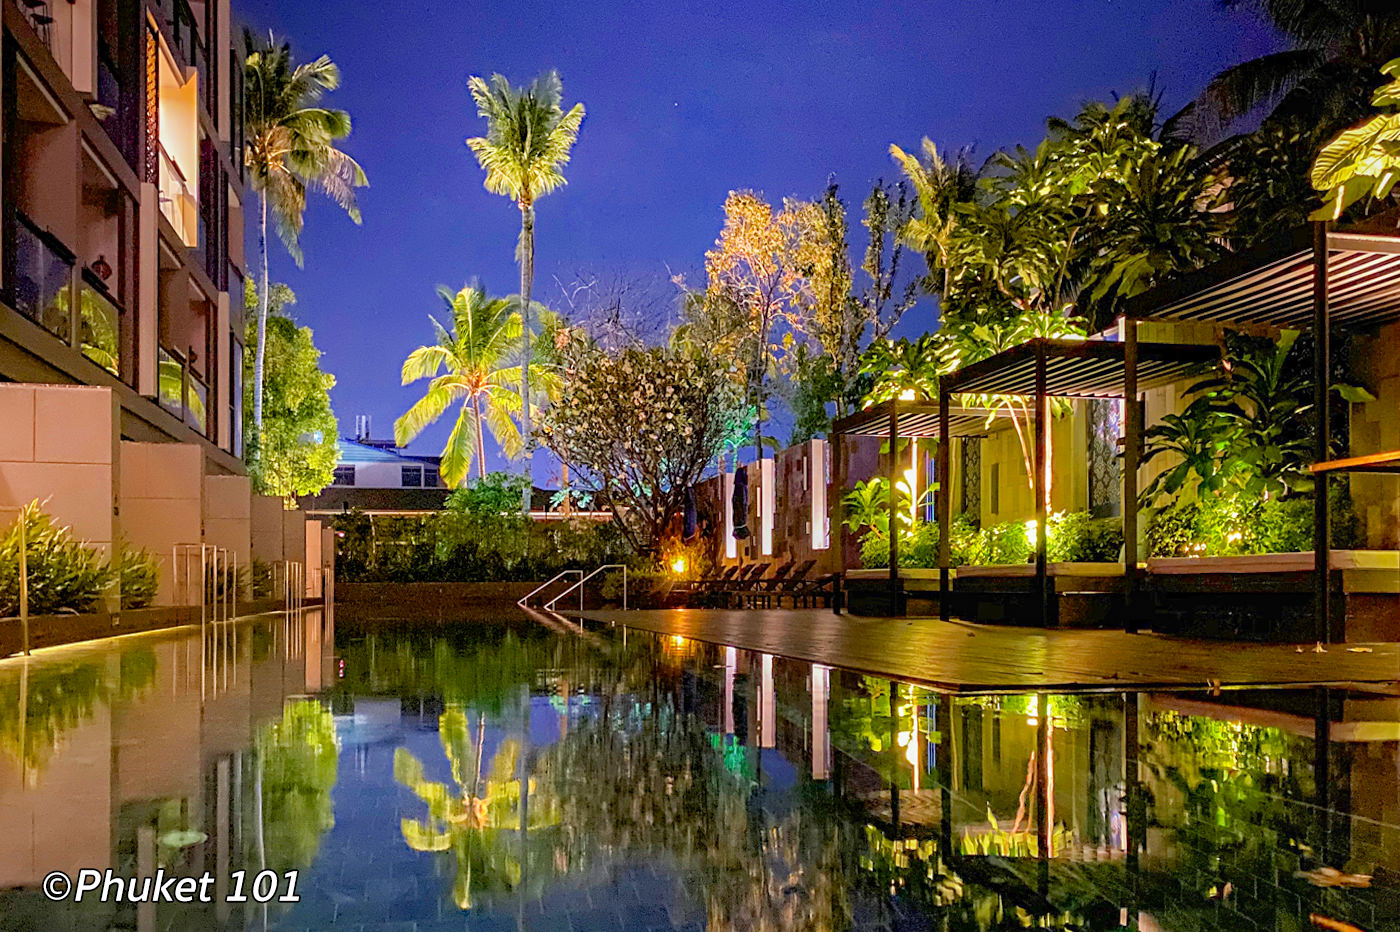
x: 549, y: 606
x: 523, y: 603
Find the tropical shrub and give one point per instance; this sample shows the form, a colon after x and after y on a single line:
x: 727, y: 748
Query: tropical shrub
x: 65, y: 574
x: 1072, y: 537
x: 1239, y: 524
x: 139, y: 575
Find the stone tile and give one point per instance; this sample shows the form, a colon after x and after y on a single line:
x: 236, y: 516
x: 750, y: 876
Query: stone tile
x: 74, y: 424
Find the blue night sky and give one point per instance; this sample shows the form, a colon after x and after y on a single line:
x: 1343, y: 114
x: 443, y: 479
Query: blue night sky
x: 686, y: 101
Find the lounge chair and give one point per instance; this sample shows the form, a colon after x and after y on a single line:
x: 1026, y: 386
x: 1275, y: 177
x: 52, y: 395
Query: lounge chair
x: 761, y: 587
x: 825, y: 587
x: 742, y: 584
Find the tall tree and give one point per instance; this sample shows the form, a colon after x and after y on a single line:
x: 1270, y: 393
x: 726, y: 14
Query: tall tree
x: 290, y: 147
x: 940, y: 185
x: 529, y: 137
x: 296, y: 451
x: 1329, y: 72
x: 478, y: 366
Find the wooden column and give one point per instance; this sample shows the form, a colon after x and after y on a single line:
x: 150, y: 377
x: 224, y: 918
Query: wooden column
x: 1043, y: 800
x: 943, y: 504
x: 1042, y: 578
x: 1322, y: 366
x: 836, y: 501
x: 893, y: 476
x: 1132, y: 446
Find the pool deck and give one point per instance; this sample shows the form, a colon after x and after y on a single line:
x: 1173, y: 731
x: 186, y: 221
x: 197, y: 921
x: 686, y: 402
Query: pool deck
x: 963, y: 657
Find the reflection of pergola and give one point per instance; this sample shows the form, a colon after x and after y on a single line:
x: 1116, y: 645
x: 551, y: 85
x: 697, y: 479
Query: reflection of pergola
x: 1041, y: 369
x: 893, y: 420
x: 1313, y: 276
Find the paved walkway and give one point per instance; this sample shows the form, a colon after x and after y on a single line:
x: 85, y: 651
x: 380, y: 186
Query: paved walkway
x: 963, y: 657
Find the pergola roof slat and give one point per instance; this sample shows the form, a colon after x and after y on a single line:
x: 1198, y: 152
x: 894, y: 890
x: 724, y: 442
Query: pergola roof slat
x: 914, y: 419
x: 1077, y: 368
x: 1273, y: 284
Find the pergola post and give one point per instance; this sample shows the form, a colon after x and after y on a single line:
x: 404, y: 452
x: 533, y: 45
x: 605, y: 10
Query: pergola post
x: 943, y: 499
x: 1322, y: 368
x: 1132, y: 440
x: 836, y: 502
x: 1042, y: 577
x: 894, y: 505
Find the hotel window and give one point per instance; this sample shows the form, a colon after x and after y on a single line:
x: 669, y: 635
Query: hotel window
x: 412, y: 477
x: 343, y: 475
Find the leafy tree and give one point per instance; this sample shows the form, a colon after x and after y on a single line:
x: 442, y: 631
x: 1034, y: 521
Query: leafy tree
x: 639, y: 427
x: 1363, y: 161
x: 477, y: 361
x: 528, y: 141
x: 1323, y: 78
x: 940, y: 186
x: 290, y: 146
x: 769, y: 273
x: 494, y: 494
x: 295, y: 451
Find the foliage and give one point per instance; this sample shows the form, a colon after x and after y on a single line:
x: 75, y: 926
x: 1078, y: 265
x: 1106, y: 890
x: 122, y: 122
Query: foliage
x: 1248, y: 426
x: 65, y: 574
x: 1072, y: 537
x: 529, y: 139
x: 290, y: 146
x: 1322, y: 78
x: 901, y: 367
x: 455, y: 546
x: 297, y: 764
x: 477, y: 359
x: 138, y: 573
x: 941, y: 185
x: 295, y: 451
x: 1236, y: 523
x: 639, y: 428
x: 1363, y: 161
x: 494, y: 494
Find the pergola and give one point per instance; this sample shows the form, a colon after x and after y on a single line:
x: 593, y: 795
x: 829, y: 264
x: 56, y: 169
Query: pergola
x: 1041, y: 369
x: 1314, y: 276
x: 894, y: 420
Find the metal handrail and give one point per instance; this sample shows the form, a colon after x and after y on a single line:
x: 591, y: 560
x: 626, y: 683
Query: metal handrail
x: 579, y: 586
x: 543, y: 586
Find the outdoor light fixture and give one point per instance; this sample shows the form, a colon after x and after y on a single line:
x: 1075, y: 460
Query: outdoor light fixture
x: 678, y: 565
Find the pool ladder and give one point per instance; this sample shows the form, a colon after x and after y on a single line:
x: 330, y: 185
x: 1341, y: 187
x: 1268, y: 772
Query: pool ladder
x: 549, y: 606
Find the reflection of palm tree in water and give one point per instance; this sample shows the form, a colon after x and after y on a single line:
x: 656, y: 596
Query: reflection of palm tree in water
x: 477, y: 818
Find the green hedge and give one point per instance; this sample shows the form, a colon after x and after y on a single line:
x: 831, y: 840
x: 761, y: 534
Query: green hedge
x: 1240, y: 525
x: 1072, y: 537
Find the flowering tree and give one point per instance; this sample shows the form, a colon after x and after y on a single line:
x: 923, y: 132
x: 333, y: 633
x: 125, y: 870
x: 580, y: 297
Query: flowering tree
x: 638, y: 428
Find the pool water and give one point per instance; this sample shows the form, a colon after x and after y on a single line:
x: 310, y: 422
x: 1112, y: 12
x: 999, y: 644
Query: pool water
x: 504, y: 775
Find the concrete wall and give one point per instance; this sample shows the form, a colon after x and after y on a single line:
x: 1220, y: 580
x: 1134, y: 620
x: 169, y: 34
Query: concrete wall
x: 228, y: 512
x: 58, y: 445
x: 266, y: 514
x: 162, y: 506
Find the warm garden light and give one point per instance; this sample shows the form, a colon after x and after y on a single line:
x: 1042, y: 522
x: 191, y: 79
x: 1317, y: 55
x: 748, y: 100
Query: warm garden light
x: 678, y: 565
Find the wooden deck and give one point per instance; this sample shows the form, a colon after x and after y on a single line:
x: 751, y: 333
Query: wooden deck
x: 961, y: 657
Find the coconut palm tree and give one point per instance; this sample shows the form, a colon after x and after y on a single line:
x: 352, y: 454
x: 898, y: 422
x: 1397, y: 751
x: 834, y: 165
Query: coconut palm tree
x: 290, y: 147
x: 477, y: 359
x: 528, y: 140
x: 1326, y: 76
x: 940, y: 184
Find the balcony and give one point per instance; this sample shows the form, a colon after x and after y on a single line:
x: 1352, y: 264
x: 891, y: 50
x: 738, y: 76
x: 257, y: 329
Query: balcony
x: 40, y: 17
x: 42, y: 278
x: 178, y: 204
x: 181, y: 392
x: 99, y: 324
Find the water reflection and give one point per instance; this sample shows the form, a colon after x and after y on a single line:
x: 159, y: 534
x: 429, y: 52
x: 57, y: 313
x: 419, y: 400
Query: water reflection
x: 183, y: 752
x: 524, y: 777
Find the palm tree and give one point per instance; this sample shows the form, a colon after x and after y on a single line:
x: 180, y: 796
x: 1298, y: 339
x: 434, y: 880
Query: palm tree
x: 475, y: 360
x: 940, y: 185
x: 1326, y: 76
x: 527, y: 144
x: 290, y: 146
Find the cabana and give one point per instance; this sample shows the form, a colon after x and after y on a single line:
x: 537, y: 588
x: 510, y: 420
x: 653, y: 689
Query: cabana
x: 1044, y: 368
x: 898, y: 419
x: 1313, y: 277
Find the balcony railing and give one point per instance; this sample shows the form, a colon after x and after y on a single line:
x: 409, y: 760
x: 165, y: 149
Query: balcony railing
x: 180, y: 207
x: 42, y: 278
x: 99, y: 325
x: 170, y: 384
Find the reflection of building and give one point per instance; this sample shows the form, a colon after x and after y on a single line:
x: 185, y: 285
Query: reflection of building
x: 139, y: 756
x: 121, y: 279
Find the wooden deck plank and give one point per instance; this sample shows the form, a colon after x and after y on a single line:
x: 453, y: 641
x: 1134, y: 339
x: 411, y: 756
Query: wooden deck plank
x: 962, y: 657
